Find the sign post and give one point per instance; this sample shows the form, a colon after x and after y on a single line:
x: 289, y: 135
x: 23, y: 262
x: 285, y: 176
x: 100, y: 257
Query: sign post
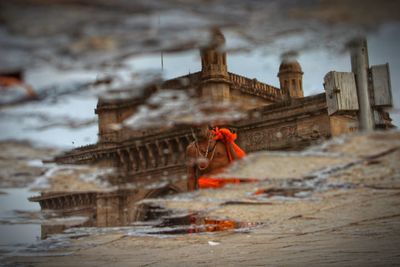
x: 359, y: 66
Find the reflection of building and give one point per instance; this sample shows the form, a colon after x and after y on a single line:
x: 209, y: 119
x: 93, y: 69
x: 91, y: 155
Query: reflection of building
x: 286, y: 120
x: 101, y: 209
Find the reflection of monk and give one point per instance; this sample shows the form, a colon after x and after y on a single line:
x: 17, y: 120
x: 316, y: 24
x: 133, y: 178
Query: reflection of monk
x: 208, y: 155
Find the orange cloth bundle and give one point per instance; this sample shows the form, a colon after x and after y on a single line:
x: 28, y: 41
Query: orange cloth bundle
x: 208, y: 182
x: 228, y: 138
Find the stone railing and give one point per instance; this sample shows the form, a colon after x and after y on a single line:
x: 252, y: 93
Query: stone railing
x: 254, y: 87
x: 139, y: 155
x: 86, y: 147
x: 68, y: 200
x: 156, y: 154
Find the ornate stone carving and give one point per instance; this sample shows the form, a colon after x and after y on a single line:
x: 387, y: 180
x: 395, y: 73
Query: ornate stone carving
x: 266, y: 138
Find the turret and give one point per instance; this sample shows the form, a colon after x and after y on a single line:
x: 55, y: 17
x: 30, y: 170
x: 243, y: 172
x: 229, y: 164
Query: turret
x: 214, y: 70
x: 291, y: 79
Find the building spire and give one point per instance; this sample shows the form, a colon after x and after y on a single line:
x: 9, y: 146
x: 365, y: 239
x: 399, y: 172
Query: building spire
x: 213, y: 57
x: 214, y: 70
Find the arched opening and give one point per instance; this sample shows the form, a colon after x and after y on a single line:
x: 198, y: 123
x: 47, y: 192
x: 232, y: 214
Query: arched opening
x: 151, y: 211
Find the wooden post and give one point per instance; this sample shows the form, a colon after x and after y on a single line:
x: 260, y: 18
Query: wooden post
x: 359, y: 66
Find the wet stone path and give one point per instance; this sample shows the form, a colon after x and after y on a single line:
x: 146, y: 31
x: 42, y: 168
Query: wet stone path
x: 335, y: 204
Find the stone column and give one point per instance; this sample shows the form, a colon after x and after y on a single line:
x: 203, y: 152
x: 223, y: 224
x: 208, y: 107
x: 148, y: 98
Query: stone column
x: 181, y: 148
x: 152, y: 157
x: 134, y: 164
x: 160, y: 151
x: 173, y: 157
x: 123, y: 160
x: 142, y: 157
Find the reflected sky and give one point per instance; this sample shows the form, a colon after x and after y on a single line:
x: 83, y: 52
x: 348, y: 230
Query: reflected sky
x: 259, y: 63
x: 56, y: 50
x: 14, y: 235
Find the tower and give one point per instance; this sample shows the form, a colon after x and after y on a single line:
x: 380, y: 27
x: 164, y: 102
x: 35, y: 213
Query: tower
x: 214, y: 70
x: 291, y: 79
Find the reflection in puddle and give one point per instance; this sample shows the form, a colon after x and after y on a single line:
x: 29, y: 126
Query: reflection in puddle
x: 145, y: 132
x: 190, y: 224
x: 206, y: 182
x: 150, y: 136
x: 64, y: 223
x: 116, y: 210
x: 19, y: 220
x: 284, y: 192
x: 15, y: 199
x: 120, y: 209
x: 150, y: 212
x: 63, y: 210
x: 18, y: 234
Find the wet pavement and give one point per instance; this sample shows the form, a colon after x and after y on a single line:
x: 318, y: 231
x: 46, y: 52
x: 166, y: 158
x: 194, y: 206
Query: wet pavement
x: 339, y: 212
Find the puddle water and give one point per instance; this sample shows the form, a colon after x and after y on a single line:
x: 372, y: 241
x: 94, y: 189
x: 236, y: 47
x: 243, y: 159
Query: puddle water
x: 284, y: 192
x: 19, y: 234
x: 207, y: 183
x: 19, y: 224
x: 159, y: 221
x: 21, y: 220
x: 22, y: 226
x: 16, y: 199
x: 192, y: 223
x: 106, y: 59
x: 153, y: 212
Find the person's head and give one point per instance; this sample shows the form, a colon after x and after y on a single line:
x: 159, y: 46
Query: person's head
x: 203, y: 132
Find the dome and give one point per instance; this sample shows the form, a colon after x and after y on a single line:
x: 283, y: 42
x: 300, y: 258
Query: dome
x: 218, y: 36
x: 290, y: 66
x: 217, y: 39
